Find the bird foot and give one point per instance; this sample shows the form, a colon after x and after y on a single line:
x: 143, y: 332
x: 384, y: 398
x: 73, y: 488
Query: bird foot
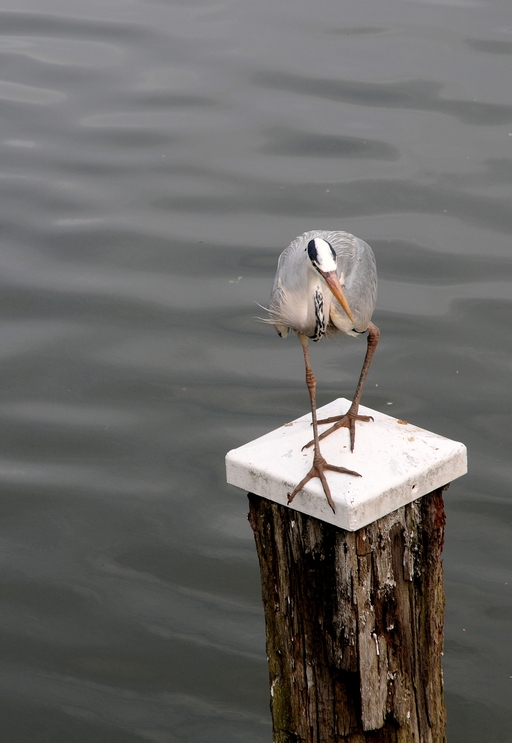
x: 317, y: 470
x: 348, y: 420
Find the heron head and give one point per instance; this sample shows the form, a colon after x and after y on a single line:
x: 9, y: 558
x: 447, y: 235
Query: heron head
x: 323, y: 260
x: 322, y: 255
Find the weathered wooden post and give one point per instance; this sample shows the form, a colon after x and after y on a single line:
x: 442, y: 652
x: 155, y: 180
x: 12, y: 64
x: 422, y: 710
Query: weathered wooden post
x: 354, y: 600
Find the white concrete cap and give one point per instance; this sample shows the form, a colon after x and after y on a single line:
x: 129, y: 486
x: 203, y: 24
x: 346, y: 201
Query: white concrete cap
x: 398, y: 462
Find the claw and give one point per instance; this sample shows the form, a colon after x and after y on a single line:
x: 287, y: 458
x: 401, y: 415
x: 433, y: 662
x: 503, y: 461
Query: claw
x: 317, y: 470
x: 347, y: 420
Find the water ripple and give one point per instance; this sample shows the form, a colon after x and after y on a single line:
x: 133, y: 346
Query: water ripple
x: 416, y: 95
x: 291, y: 142
x: 63, y: 476
x: 350, y: 198
x: 27, y: 94
x: 57, y: 51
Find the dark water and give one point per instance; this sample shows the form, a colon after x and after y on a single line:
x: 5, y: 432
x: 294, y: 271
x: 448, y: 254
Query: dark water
x: 156, y: 158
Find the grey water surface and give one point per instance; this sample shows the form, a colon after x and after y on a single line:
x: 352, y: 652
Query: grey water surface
x: 156, y: 158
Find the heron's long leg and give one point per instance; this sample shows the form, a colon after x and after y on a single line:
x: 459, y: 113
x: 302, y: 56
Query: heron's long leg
x: 348, y: 420
x: 319, y: 463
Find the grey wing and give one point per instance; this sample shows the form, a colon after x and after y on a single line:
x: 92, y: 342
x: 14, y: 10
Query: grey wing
x: 357, y: 268
x: 277, y: 310
x: 281, y: 315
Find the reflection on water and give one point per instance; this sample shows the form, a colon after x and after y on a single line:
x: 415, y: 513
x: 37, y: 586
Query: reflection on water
x: 157, y: 157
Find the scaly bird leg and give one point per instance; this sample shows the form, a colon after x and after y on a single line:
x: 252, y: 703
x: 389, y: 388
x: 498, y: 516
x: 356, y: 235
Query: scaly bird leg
x: 348, y: 420
x: 319, y: 463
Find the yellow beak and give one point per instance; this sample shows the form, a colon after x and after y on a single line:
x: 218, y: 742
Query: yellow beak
x: 334, y: 285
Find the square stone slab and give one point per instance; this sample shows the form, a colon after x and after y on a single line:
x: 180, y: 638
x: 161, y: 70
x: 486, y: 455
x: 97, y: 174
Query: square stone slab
x: 398, y: 462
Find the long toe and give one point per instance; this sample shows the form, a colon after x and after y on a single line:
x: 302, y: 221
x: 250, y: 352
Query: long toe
x: 343, y: 470
x: 341, y: 421
x: 341, y: 418
x: 318, y: 470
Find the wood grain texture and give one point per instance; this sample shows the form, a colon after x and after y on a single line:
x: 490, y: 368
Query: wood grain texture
x: 354, y: 624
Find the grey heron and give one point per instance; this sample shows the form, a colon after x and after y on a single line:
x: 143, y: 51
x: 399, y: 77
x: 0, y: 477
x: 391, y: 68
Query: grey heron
x: 326, y: 282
